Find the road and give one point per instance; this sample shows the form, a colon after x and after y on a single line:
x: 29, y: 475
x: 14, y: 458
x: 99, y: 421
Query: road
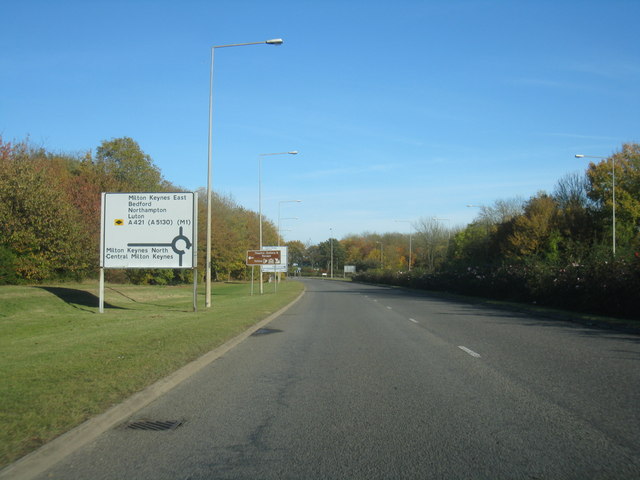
x: 366, y: 382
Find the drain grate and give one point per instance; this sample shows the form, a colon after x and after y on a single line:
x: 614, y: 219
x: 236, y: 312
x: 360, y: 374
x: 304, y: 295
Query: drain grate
x: 154, y: 425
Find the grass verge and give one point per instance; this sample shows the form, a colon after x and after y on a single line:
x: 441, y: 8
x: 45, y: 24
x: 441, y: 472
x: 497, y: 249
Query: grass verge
x: 62, y: 362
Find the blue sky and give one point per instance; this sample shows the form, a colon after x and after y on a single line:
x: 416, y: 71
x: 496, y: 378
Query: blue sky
x: 400, y: 110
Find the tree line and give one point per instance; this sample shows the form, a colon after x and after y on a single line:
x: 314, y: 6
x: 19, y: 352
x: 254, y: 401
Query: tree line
x: 50, y: 214
x: 552, y: 249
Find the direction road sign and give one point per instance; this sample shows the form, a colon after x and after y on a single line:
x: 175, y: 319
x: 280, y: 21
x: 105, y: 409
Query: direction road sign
x: 263, y: 257
x: 284, y: 263
x: 149, y: 230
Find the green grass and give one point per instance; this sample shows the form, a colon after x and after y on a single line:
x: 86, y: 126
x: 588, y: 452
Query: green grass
x: 62, y: 362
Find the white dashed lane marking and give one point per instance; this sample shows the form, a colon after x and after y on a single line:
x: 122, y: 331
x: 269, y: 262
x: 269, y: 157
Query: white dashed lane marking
x: 469, y: 351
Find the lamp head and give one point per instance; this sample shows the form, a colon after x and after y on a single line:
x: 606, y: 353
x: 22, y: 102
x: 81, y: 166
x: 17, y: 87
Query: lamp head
x: 579, y: 156
x: 275, y: 41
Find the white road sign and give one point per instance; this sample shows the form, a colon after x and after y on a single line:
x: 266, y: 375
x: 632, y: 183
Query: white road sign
x: 148, y: 230
x: 282, y: 266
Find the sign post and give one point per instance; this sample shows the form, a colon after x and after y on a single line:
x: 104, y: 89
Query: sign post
x: 149, y: 230
x: 269, y: 256
x: 276, y: 268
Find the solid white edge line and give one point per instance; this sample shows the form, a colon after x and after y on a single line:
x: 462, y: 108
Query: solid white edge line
x: 469, y: 351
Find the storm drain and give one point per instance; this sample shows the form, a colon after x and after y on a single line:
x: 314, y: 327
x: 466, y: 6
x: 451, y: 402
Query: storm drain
x: 154, y: 425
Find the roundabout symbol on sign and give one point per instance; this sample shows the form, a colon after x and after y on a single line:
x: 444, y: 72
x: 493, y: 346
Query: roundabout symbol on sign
x: 173, y: 245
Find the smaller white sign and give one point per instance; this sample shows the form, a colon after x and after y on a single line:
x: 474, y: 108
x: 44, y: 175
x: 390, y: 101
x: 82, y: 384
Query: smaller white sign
x: 282, y: 267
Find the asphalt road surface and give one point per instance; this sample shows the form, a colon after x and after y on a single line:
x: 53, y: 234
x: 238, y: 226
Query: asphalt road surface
x: 365, y: 382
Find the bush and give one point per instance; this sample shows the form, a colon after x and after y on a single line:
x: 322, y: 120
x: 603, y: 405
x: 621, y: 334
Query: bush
x: 7, y: 267
x: 599, y: 285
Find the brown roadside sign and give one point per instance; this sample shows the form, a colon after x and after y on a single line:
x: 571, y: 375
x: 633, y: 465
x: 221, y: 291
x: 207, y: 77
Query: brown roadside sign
x: 263, y: 257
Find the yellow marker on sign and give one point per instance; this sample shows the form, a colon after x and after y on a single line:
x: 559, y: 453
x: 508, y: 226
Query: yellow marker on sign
x: 118, y: 221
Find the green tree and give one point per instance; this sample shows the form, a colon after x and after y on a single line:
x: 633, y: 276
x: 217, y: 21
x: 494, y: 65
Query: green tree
x: 534, y: 232
x: 470, y: 245
x: 325, y: 250
x: 128, y: 166
x: 38, y: 223
x: 626, y: 165
x: 297, y: 252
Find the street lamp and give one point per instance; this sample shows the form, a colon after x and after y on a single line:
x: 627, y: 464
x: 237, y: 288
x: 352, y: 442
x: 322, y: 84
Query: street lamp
x: 410, y: 233
x: 289, y: 218
x: 280, y: 230
x: 274, y: 41
x: 331, y: 242
x: 292, y: 152
x: 613, y: 194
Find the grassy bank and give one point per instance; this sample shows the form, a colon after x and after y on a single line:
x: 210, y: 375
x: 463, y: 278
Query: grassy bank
x: 62, y: 362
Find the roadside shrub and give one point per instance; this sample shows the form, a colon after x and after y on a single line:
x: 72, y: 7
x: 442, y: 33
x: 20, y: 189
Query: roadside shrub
x: 605, y: 286
x: 7, y: 267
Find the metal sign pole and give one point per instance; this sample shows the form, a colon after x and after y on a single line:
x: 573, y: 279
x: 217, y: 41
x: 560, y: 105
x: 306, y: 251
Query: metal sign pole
x: 252, y: 269
x: 101, y: 301
x: 101, y: 282
x: 195, y: 289
x: 194, y: 262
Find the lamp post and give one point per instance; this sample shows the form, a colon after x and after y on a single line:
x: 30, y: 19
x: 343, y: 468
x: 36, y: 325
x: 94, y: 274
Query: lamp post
x: 280, y: 230
x: 613, y: 195
x: 410, y: 233
x: 274, y: 41
x: 280, y: 235
x: 292, y: 152
x: 331, y: 243
x: 289, y: 218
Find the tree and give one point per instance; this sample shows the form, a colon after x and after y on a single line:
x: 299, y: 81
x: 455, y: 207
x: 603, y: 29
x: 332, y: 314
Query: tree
x: 432, y: 239
x: 129, y: 167
x: 575, y: 218
x: 534, y: 232
x: 572, y: 191
x: 38, y: 224
x: 470, y: 245
x: 297, y: 252
x: 501, y: 211
x: 626, y: 165
x: 325, y: 250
